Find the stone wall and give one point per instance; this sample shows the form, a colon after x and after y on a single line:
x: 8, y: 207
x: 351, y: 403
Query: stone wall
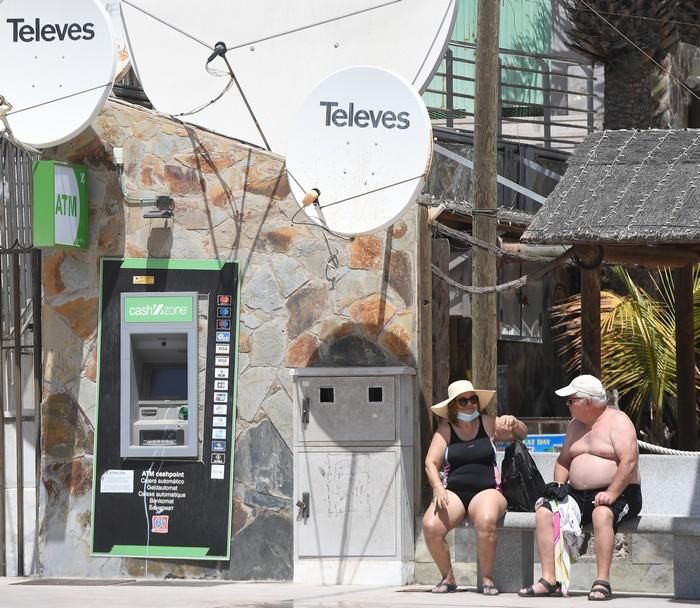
x: 232, y: 202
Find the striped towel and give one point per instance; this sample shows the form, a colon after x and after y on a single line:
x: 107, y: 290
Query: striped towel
x: 566, y: 528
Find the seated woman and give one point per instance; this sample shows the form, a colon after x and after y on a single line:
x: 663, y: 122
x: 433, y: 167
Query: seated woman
x: 463, y: 449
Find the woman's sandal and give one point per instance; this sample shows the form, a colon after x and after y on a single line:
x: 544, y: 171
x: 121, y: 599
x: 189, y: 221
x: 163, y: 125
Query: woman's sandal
x: 602, y: 588
x: 489, y: 589
x: 552, y: 590
x: 443, y: 587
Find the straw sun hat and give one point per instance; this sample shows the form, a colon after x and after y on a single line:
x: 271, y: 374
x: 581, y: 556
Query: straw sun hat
x: 458, y: 388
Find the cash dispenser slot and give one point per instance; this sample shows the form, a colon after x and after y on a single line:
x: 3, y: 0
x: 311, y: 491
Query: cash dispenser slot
x: 159, y: 375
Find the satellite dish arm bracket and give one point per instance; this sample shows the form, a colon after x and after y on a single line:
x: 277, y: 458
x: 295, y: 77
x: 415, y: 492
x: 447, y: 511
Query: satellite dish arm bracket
x: 163, y: 202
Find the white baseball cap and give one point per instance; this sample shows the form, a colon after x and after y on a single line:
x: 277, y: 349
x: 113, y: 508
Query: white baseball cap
x: 586, y: 384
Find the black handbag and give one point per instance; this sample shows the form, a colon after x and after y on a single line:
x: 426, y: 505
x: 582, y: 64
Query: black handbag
x: 521, y: 481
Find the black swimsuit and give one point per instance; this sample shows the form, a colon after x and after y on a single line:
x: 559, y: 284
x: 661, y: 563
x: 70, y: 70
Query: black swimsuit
x: 470, y: 466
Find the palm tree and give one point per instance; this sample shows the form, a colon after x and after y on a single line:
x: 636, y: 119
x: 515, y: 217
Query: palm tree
x: 638, y: 348
x: 637, y: 91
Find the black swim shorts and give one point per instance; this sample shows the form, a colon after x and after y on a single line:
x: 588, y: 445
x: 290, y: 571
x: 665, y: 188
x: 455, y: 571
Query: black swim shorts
x: 627, y: 505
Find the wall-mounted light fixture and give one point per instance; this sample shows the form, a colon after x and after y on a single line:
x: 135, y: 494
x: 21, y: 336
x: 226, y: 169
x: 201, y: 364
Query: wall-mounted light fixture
x: 163, y: 205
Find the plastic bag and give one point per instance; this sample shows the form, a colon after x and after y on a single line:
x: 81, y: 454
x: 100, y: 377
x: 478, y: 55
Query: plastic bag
x: 521, y: 481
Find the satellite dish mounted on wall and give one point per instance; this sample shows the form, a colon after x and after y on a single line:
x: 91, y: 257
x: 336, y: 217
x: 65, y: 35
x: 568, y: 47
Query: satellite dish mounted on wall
x: 57, y: 69
x: 358, y: 150
x: 279, y: 51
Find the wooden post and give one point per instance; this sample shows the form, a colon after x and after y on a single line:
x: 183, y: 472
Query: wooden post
x: 484, y: 306
x: 441, y: 322
x: 424, y: 323
x: 685, y: 358
x: 590, y: 322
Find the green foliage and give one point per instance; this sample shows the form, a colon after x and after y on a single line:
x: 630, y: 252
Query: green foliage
x: 638, y: 346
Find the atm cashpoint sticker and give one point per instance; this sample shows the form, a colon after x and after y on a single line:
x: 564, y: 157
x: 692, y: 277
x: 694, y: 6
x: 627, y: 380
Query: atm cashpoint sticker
x: 220, y: 397
x: 220, y: 409
x: 218, y: 433
x: 219, y: 421
x: 218, y: 471
x: 221, y: 361
x: 218, y: 446
x: 223, y: 312
x: 223, y: 324
x: 221, y: 372
x: 223, y: 349
x: 223, y: 300
x: 218, y: 458
x: 223, y: 336
x: 159, y: 524
x: 220, y: 385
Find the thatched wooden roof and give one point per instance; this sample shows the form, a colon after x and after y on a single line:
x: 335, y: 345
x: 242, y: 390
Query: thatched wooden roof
x: 626, y: 188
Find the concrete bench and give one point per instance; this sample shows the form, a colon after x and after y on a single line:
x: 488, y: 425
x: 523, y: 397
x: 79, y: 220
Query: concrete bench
x: 671, y: 505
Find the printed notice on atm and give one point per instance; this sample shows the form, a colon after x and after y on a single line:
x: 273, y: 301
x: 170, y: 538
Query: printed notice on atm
x: 162, y: 489
x: 117, y: 481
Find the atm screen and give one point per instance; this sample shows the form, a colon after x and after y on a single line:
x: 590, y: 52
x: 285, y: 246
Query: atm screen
x: 166, y: 383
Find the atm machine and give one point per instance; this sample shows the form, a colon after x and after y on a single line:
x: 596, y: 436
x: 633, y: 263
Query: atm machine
x: 159, y: 375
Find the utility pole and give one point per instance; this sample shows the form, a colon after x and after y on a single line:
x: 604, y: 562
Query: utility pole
x: 484, y: 306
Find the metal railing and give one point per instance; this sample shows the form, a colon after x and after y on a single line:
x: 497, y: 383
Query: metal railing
x: 545, y: 100
x: 129, y: 88
x: 20, y: 331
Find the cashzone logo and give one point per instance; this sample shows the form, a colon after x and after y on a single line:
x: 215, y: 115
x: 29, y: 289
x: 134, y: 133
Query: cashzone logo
x: 158, y: 309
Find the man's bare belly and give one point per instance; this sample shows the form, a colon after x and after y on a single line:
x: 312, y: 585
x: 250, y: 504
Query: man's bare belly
x: 588, y: 472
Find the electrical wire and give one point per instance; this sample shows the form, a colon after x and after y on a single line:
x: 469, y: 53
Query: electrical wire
x: 312, y: 25
x: 354, y: 196
x: 641, y: 50
x: 514, y: 284
x: 546, y: 6
x: 170, y: 25
x: 55, y: 99
x: 614, y: 14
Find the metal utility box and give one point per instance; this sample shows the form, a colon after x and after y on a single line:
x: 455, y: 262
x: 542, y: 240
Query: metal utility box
x: 354, y: 437
x: 159, y: 375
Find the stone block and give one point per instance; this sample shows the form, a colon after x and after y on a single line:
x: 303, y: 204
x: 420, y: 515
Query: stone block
x: 466, y: 573
x: 465, y: 544
x: 426, y: 573
x: 514, y: 560
x: 686, y: 582
x: 651, y: 548
x: 624, y: 577
x: 263, y: 549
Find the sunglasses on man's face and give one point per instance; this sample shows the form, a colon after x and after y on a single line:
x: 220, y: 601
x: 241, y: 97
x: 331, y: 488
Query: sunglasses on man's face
x: 466, y: 400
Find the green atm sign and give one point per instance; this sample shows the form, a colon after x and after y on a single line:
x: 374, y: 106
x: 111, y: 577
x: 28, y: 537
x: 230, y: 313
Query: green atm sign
x: 60, y: 205
x: 158, y: 309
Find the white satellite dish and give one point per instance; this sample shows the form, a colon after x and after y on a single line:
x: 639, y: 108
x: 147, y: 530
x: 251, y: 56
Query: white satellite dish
x: 363, y: 141
x: 57, y: 68
x: 113, y: 8
x: 279, y: 50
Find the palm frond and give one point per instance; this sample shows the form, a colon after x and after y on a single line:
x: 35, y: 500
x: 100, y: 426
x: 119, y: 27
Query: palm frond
x: 638, y: 344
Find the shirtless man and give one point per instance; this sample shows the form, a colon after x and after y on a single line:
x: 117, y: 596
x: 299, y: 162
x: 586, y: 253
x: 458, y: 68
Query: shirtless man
x: 598, y: 467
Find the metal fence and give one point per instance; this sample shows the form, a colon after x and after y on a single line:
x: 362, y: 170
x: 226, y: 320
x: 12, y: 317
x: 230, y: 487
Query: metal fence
x: 20, y: 340
x: 545, y: 100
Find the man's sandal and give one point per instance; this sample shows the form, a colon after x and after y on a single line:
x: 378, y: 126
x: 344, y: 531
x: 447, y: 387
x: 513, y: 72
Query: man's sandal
x: 443, y: 587
x: 551, y: 590
x: 602, y: 588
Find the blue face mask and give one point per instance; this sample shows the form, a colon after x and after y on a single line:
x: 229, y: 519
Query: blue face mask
x: 464, y: 417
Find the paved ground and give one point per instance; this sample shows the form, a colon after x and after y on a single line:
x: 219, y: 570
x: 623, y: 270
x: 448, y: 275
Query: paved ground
x: 26, y: 593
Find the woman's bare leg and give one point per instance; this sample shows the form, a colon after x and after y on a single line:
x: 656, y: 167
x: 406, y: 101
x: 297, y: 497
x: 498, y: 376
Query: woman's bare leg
x: 485, y: 509
x: 436, y: 524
